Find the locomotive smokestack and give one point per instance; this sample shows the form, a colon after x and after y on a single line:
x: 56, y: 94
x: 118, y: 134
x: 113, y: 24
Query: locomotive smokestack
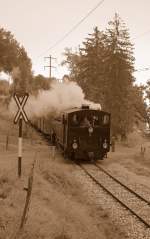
x: 84, y: 106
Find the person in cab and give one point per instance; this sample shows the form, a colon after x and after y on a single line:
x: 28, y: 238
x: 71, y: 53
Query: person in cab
x: 85, y: 122
x: 75, y: 121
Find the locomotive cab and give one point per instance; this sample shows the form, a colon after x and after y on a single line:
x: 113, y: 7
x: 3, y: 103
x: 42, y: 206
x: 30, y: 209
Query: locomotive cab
x: 88, y: 134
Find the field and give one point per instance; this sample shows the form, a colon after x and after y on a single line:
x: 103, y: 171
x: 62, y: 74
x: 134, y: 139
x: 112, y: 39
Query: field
x: 59, y: 206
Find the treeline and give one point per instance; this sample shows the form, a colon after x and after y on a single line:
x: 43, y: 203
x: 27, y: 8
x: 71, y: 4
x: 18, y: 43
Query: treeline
x: 103, y: 66
x: 15, y: 62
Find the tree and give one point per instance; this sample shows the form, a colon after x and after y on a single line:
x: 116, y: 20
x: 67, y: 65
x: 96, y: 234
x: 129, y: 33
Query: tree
x: 119, y: 68
x: 87, y: 66
x: 40, y: 82
x: 91, y: 74
x: 4, y: 87
x: 147, y: 91
x: 8, y: 51
x: 104, y: 68
x: 13, y: 56
x: 139, y: 102
x: 72, y: 61
x: 147, y: 88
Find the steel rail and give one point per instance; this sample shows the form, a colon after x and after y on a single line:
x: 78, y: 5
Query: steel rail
x: 122, y: 184
x: 117, y: 199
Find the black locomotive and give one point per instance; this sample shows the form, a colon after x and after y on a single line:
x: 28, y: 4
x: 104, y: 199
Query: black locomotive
x: 81, y: 133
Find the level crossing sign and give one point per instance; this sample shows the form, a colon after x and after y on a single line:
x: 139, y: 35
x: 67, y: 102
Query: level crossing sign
x: 21, y: 101
x: 20, y: 115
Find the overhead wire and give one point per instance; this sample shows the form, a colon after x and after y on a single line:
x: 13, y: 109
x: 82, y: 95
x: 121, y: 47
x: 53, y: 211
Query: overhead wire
x: 143, y: 69
x: 141, y: 35
x: 72, y: 29
x: 135, y: 38
x: 78, y: 24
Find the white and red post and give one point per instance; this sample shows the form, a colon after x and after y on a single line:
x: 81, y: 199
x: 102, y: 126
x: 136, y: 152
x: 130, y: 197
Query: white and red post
x: 20, y: 148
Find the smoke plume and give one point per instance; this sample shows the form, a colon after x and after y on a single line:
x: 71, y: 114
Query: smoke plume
x: 61, y: 96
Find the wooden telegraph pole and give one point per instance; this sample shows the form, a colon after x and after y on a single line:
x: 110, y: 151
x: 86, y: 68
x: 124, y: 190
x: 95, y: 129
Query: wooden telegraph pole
x: 50, y: 64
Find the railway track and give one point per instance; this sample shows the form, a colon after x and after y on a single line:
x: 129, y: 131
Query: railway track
x: 129, y: 199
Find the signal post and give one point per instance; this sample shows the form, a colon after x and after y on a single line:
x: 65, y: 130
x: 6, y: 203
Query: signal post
x: 20, y: 115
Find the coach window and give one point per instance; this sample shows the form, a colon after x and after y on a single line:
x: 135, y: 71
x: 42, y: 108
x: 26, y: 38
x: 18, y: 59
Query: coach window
x: 106, y: 119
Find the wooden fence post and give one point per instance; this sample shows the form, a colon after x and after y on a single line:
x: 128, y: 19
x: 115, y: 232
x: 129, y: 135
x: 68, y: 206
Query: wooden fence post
x: 28, y: 197
x: 143, y: 150
x: 7, y: 139
x: 28, y: 200
x: 113, y: 144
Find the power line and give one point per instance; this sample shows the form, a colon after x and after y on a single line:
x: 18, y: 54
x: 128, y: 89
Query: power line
x: 73, y: 28
x: 141, y: 35
x: 50, y: 64
x: 78, y: 24
x: 143, y: 69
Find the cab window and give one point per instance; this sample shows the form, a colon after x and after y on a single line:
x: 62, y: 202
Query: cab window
x: 85, y: 122
x: 74, y: 120
x: 105, y: 119
x: 95, y: 120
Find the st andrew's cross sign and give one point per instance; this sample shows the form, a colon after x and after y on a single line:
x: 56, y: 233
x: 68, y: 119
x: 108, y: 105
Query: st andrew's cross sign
x: 21, y: 115
x: 21, y: 103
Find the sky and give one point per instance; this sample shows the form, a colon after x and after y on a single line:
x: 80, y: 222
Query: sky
x: 38, y: 25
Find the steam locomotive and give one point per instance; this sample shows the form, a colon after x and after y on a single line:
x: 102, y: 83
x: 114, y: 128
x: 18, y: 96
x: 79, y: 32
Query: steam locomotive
x: 81, y: 133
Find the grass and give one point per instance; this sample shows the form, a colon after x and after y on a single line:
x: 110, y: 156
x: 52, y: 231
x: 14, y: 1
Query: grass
x: 59, y: 208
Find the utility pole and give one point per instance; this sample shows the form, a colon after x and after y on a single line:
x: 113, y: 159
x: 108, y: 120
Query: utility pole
x: 50, y: 64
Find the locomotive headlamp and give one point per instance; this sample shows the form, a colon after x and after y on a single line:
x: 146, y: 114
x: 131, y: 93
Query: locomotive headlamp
x: 90, y: 130
x: 74, y: 145
x: 105, y: 144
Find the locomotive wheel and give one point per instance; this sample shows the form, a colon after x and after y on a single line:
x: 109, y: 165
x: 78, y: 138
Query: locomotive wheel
x: 101, y: 157
x: 65, y: 155
x: 73, y: 156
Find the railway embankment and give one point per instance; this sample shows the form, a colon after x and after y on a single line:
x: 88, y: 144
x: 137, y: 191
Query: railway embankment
x: 61, y: 206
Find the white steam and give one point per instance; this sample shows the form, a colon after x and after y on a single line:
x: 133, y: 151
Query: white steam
x: 61, y: 96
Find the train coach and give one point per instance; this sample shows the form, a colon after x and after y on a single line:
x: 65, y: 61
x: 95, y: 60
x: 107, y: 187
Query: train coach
x: 81, y: 133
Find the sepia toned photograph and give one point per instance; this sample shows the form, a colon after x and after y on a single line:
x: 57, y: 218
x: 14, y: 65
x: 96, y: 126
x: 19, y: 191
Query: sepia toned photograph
x: 74, y: 119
